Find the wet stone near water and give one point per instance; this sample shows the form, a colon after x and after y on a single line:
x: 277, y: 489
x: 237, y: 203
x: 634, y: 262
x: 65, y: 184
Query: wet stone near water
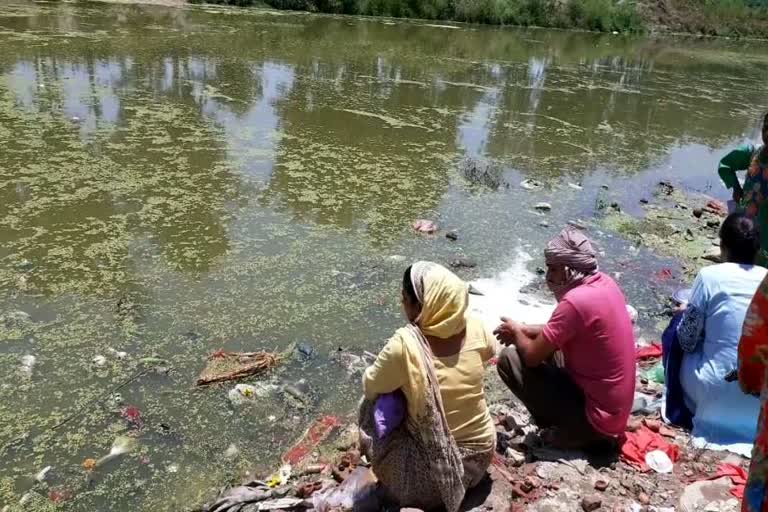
x: 463, y: 263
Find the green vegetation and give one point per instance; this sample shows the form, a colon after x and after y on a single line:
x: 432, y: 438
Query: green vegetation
x: 732, y: 18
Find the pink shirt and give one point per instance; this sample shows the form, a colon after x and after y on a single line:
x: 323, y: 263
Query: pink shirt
x: 592, y: 328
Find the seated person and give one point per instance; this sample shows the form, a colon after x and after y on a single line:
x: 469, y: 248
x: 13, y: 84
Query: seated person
x: 708, y: 334
x: 583, y: 403
x: 448, y: 438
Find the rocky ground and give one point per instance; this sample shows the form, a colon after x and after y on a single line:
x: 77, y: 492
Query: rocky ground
x: 527, y: 476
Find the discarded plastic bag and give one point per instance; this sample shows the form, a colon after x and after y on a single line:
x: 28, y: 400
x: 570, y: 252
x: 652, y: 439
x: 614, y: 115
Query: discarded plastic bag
x: 659, y: 461
x: 358, y: 488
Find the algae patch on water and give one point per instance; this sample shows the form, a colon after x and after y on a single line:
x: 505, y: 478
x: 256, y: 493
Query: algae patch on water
x: 671, y: 229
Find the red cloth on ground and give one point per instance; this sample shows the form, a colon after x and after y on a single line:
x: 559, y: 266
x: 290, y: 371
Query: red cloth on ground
x: 642, y: 441
x: 649, y: 351
x: 738, y: 477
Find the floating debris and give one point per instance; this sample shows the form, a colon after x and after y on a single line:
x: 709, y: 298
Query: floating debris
x: 424, y: 226
x: 231, y: 452
x: 531, y: 184
x: 41, y: 476
x: 99, y: 360
x: 89, y: 465
x: 28, y: 362
x: 226, y: 366
x: 121, y: 446
x: 133, y: 416
x: 15, y: 319
x: 153, y: 361
x: 542, y: 207
x: 117, y: 353
x: 463, y: 263
x: 306, y: 350
x: 60, y: 494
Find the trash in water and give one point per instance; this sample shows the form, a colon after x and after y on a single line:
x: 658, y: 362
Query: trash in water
x: 231, y: 452
x: 225, y: 366
x: 121, y: 446
x: 173, y: 468
x: 542, y: 207
x: 306, y: 350
x: 299, y: 391
x: 40, y: 477
x: 152, y: 361
x: 575, y: 186
x: 99, y: 360
x: 15, y: 319
x: 530, y: 184
x: 132, y: 415
x: 247, y: 390
x: 89, y: 465
x: 663, y: 275
x: 117, y: 353
x: 60, y: 494
x: 659, y: 461
x: 28, y: 363
x: 424, y: 226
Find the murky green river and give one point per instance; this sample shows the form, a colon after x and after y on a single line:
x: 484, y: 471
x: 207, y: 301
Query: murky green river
x: 175, y: 181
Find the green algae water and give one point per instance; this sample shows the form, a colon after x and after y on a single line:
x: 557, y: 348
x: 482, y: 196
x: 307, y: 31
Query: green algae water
x: 174, y: 181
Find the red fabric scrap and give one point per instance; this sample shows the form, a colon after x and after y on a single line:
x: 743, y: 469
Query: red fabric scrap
x: 317, y: 432
x: 637, y: 444
x: 737, y: 474
x: 648, y: 352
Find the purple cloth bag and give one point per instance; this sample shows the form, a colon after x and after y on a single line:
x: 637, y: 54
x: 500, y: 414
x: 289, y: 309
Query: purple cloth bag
x: 388, y: 413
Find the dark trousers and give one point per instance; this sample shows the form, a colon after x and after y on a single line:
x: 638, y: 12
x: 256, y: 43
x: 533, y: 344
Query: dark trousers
x: 553, y: 400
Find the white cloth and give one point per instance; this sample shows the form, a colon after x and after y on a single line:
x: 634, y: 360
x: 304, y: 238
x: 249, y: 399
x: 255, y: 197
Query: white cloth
x: 709, y: 332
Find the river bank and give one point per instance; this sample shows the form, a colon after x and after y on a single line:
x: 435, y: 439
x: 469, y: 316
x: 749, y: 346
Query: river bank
x: 179, y: 181
x: 526, y: 475
x: 726, y: 18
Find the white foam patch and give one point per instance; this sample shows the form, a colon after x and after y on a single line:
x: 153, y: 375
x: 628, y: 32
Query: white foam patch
x: 502, y: 297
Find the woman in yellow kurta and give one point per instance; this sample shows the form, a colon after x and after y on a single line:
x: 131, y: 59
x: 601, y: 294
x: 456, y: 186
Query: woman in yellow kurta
x: 447, y: 441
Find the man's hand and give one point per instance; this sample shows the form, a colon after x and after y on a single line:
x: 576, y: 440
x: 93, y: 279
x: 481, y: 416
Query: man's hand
x: 507, y: 331
x: 738, y: 194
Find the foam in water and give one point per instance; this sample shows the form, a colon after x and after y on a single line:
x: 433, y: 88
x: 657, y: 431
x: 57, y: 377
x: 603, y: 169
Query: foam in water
x: 502, y: 296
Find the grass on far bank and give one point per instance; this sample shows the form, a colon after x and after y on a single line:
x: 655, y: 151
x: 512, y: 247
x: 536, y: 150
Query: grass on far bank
x: 710, y: 17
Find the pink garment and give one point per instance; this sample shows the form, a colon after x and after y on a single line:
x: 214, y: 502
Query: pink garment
x: 592, y: 328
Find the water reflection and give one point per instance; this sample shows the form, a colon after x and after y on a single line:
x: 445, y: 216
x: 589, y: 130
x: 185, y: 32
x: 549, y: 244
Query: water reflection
x: 246, y: 177
x: 361, y: 134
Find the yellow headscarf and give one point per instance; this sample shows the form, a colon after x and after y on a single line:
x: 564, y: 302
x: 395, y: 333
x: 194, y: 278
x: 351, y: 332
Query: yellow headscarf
x: 444, y: 299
